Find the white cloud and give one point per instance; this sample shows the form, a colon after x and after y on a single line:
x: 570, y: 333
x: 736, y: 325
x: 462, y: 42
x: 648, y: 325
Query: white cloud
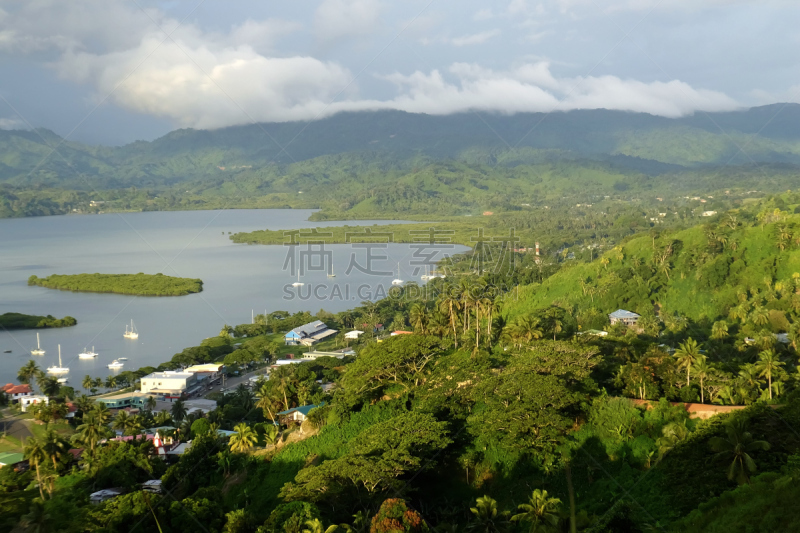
x: 475, y: 38
x: 483, y: 14
x: 12, y: 124
x: 335, y: 20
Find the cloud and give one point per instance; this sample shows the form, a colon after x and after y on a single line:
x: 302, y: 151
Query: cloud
x: 335, y: 20
x: 475, y: 38
x: 12, y: 124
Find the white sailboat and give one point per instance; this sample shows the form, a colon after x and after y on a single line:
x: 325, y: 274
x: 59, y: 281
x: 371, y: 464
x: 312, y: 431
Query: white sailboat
x: 398, y: 281
x: 58, y: 369
x: 63, y: 380
x: 131, y: 333
x: 38, y: 350
x: 115, y: 364
x: 87, y: 354
x: 298, y: 283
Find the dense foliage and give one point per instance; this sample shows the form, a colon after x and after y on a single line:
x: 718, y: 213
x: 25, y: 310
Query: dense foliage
x: 21, y: 321
x: 138, y: 284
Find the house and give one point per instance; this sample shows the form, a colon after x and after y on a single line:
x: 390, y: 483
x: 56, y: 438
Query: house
x: 16, y: 392
x: 153, y: 486
x: 708, y: 213
x: 309, y: 334
x: 169, y: 383
x: 401, y: 333
x: 124, y: 400
x: 621, y: 316
x: 352, y: 335
x: 11, y: 459
x: 26, y: 402
x: 104, y: 495
x: 297, y: 414
x: 315, y: 355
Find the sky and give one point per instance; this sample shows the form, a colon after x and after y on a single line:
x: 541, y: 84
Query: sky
x: 112, y: 72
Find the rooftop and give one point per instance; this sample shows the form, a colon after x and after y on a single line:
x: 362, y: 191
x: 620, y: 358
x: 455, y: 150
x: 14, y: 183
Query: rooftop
x: 169, y: 374
x: 10, y: 388
x: 304, y: 410
x: 208, y: 367
x: 307, y: 330
x: 11, y: 458
x: 622, y: 313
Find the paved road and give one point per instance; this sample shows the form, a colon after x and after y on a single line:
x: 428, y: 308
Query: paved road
x: 16, y: 428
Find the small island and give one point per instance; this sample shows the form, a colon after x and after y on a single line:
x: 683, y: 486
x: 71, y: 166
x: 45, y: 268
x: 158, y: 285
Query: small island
x: 21, y: 321
x: 133, y: 284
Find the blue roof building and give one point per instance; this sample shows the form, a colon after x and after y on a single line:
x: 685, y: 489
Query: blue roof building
x: 308, y: 334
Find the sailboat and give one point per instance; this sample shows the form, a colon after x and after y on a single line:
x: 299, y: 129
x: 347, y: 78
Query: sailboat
x: 131, y: 333
x: 58, y: 369
x: 115, y: 364
x: 398, y: 281
x: 87, y: 354
x: 38, y: 350
x: 331, y: 274
x: 298, y: 283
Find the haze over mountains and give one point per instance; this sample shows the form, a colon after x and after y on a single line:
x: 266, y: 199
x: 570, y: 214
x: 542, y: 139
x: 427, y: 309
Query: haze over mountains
x: 642, y: 142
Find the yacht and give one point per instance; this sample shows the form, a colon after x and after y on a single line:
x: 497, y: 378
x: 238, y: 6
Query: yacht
x: 38, y: 350
x: 63, y: 380
x: 115, y: 364
x: 131, y: 333
x: 87, y: 354
x: 298, y: 283
x: 122, y: 359
x: 398, y: 281
x: 58, y: 369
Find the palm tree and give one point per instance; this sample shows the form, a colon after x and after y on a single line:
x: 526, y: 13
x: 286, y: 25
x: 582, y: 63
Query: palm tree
x: 525, y: 328
x: 49, y: 386
x: 719, y: 330
x: 122, y: 421
x: 178, y: 410
x: 91, y: 430
x: 284, y: 380
x: 162, y: 418
x: 738, y: 445
x: 266, y: 399
x: 36, y: 454
x: 150, y: 403
x: 672, y: 434
x: 84, y: 404
x: 540, y: 508
x: 28, y: 372
x: 272, y: 435
x: 316, y: 526
x: 418, y: 315
x: 701, y: 371
x: 449, y: 306
x: 759, y: 316
x: 687, y: 355
x: 38, y: 520
x: 54, y: 446
x: 487, y: 518
x: 87, y: 382
x: 111, y: 382
x: 244, y: 438
x: 768, y: 365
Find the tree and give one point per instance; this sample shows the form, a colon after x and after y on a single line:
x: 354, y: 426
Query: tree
x: 267, y: 399
x: 92, y: 430
x: 701, y: 371
x: 28, y: 372
x: 36, y: 454
x: 87, y: 382
x: 84, y: 404
x: 768, y: 365
x: 38, y: 520
x: 244, y: 438
x: 111, y: 382
x: 316, y: 526
x: 54, y: 446
x: 539, y: 509
x: 394, y: 516
x: 719, y: 330
x: 418, y: 316
x: 486, y: 517
x: 687, y: 355
x: 737, y: 446
x: 150, y: 403
x: 178, y: 410
x: 48, y: 385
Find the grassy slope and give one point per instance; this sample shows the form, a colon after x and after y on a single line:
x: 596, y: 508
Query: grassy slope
x: 692, y: 289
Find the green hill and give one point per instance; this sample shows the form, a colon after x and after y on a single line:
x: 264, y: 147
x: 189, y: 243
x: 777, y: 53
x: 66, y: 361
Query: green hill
x: 748, y: 256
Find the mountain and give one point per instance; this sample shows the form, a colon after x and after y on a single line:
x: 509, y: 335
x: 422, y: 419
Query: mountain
x: 642, y: 142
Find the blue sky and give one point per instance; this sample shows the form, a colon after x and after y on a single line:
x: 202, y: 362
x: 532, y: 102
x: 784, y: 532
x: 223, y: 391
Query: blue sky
x: 111, y: 72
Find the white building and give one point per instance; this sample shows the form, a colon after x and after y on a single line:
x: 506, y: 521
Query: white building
x: 169, y: 381
x: 25, y: 402
x: 17, y: 392
x: 353, y: 334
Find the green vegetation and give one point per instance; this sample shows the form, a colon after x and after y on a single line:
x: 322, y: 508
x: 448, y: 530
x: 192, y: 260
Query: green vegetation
x: 21, y: 321
x: 138, y: 284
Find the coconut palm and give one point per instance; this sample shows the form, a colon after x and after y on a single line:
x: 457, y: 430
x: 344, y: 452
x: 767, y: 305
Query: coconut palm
x: 178, y: 410
x: 54, y: 446
x: 487, y: 519
x: 272, y: 435
x: 316, y: 526
x: 84, y: 404
x: 418, y: 315
x: 266, y: 400
x: 150, y: 403
x: 111, y: 382
x: 36, y: 454
x: 759, y: 316
x: 687, y: 355
x: 672, y: 434
x: 737, y: 446
x: 28, y: 372
x: 243, y: 439
x: 91, y: 430
x: 449, y: 306
x: 38, y: 520
x: 768, y: 365
x: 701, y: 371
x: 540, y: 509
x: 719, y: 330
x: 122, y: 421
x: 162, y: 418
x: 87, y: 382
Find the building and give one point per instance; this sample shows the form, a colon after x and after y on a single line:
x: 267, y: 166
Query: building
x: 26, y: 402
x: 104, y: 495
x: 124, y: 400
x: 621, y: 316
x: 297, y: 414
x: 309, y: 334
x: 16, y: 392
x: 352, y: 335
x: 170, y: 383
x: 338, y: 354
x: 400, y: 332
x: 708, y: 213
x: 11, y: 459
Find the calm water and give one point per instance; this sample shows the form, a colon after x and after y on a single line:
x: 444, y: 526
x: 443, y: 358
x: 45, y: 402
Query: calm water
x: 237, y: 279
